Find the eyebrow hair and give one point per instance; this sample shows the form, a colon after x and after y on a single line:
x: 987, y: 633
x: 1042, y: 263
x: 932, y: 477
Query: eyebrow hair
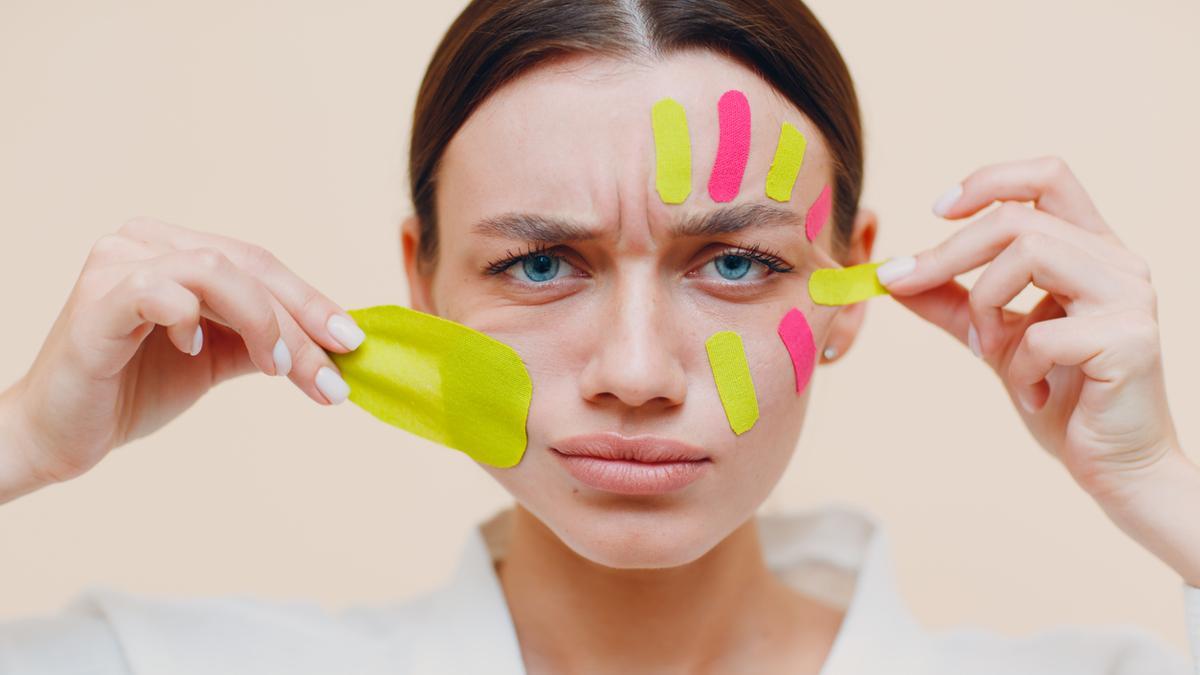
x: 721, y: 220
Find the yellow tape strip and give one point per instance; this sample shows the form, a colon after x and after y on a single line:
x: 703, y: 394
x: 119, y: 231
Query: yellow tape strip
x: 732, y: 374
x: 440, y: 380
x: 673, y: 151
x: 845, y: 285
x: 789, y: 157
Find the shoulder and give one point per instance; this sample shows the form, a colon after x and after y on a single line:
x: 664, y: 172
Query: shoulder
x: 112, y: 631
x: 74, y: 639
x: 1070, y: 649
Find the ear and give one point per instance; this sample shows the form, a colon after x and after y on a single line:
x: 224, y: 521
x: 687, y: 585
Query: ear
x: 847, y: 322
x: 419, y: 280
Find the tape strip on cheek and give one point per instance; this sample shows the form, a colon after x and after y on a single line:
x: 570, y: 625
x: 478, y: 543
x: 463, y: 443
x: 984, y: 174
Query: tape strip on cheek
x: 818, y: 214
x: 798, y: 339
x: 845, y: 285
x: 733, y: 148
x: 440, y: 380
x: 731, y: 371
x: 673, y: 151
x: 789, y: 157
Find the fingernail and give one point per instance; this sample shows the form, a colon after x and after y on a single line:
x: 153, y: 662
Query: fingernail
x: 197, y: 341
x: 332, y: 385
x: 942, y: 206
x: 896, y: 268
x: 344, y: 330
x: 973, y: 340
x: 283, y: 358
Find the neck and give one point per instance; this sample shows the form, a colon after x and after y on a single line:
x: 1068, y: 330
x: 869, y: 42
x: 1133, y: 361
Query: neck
x: 723, y: 609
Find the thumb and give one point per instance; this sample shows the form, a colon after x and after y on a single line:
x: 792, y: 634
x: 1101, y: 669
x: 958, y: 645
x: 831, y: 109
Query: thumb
x: 946, y: 306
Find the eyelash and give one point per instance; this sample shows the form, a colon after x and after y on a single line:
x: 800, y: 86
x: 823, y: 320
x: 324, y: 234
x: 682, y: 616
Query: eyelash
x: 763, y: 255
x: 766, y: 256
x: 509, y: 259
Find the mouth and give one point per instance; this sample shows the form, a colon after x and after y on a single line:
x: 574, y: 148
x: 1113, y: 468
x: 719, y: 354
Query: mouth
x: 638, y: 465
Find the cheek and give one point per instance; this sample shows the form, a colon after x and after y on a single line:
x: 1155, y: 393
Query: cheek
x: 779, y: 345
x: 760, y: 455
x: 781, y: 357
x: 773, y: 367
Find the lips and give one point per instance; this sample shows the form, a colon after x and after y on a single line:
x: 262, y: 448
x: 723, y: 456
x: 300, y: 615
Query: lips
x: 639, y: 465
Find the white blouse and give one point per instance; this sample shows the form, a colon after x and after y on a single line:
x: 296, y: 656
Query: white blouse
x: 837, y: 553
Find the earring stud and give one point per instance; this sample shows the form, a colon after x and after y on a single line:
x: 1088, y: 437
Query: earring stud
x: 830, y: 353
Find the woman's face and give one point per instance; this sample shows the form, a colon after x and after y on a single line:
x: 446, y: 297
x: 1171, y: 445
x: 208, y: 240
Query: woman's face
x: 612, y: 322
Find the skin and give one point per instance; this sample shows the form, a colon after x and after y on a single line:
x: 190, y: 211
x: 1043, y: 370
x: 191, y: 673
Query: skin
x: 658, y: 296
x: 672, y: 583
x: 643, y: 560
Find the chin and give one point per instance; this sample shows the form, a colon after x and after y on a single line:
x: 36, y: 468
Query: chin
x: 638, y: 536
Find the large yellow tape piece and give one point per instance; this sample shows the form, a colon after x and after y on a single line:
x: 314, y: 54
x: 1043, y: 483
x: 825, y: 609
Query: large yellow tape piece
x: 673, y: 151
x: 731, y: 371
x: 845, y: 285
x: 440, y: 380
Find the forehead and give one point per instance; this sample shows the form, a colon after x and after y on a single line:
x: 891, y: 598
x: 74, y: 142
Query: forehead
x: 574, y: 139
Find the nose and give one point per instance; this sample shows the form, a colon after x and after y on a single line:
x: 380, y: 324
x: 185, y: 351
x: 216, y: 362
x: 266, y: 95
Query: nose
x: 636, y: 356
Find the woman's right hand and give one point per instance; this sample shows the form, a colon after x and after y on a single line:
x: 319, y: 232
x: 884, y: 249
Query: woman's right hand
x: 158, y: 316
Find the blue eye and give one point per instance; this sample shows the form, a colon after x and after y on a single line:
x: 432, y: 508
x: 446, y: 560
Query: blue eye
x: 751, y: 263
x: 732, y: 267
x: 740, y: 268
x: 540, y: 267
x: 535, y: 266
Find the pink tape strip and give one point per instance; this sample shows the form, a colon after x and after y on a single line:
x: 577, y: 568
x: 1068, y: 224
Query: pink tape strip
x: 818, y: 214
x: 798, y: 338
x: 733, y: 149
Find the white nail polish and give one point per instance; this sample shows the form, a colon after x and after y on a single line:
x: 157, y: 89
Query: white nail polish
x: 895, y: 268
x: 973, y: 340
x: 947, y: 200
x: 197, y: 341
x: 283, y: 358
x: 332, y: 385
x: 345, y: 331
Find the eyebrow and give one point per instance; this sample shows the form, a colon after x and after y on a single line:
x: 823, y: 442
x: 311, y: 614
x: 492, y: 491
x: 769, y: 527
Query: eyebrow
x: 722, y: 220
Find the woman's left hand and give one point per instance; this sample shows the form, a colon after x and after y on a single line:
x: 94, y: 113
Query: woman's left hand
x: 1084, y: 367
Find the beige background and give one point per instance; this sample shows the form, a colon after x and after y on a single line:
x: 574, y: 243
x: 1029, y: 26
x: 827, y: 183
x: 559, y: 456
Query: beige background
x: 285, y: 124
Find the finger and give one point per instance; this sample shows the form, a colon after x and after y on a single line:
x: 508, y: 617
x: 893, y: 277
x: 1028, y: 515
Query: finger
x: 1046, y: 181
x: 1079, y: 282
x: 109, y: 332
x: 227, y: 352
x: 947, y: 307
x: 1046, y: 309
x: 320, y: 317
x: 306, y: 358
x: 983, y: 239
x: 239, y: 300
x: 114, y: 249
x: 312, y: 371
x: 1082, y: 341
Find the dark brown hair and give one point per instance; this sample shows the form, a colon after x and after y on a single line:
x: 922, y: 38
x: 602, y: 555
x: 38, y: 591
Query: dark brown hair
x: 494, y: 41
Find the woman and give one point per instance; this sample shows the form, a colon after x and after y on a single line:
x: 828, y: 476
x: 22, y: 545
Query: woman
x: 633, y: 545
